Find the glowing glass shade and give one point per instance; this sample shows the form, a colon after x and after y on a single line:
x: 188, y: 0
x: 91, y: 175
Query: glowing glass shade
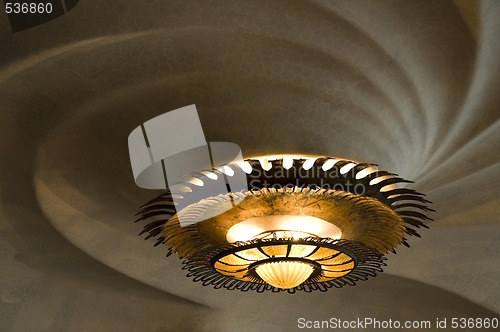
x: 282, y: 234
x: 287, y: 162
x: 285, y: 265
x: 284, y: 274
x: 294, y: 225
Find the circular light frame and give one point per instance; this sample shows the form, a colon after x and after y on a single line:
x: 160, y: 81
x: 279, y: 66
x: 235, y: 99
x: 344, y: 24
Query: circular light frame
x: 363, y: 262
x: 385, y: 212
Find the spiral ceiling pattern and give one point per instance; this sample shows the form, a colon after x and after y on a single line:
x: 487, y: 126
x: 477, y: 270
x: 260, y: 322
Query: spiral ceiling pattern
x: 410, y: 85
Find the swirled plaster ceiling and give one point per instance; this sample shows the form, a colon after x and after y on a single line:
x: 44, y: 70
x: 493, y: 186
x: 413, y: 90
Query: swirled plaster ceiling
x: 410, y: 85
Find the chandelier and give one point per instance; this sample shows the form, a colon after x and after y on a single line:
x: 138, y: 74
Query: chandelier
x: 301, y: 223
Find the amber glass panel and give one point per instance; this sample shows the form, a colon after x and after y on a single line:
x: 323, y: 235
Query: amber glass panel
x: 301, y: 250
x: 277, y: 251
x: 347, y: 266
x: 229, y: 268
x: 252, y: 254
x: 234, y: 260
x: 322, y: 253
x: 340, y: 259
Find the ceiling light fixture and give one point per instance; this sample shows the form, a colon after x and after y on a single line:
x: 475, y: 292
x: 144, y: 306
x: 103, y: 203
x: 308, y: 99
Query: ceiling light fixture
x: 309, y: 224
x: 273, y: 223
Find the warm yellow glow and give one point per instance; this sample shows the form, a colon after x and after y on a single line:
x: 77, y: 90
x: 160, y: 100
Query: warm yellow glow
x: 380, y: 179
x: 252, y: 254
x: 301, y: 250
x: 287, y: 162
x: 245, y: 166
x: 329, y: 164
x: 363, y: 173
x: 266, y: 165
x: 284, y: 274
x: 347, y: 168
x: 281, y: 156
x: 309, y: 163
x: 389, y: 186
x: 285, y: 234
x: 276, y: 251
x: 334, y: 264
x: 296, y: 226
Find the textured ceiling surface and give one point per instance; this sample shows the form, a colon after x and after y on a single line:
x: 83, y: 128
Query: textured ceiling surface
x: 413, y: 86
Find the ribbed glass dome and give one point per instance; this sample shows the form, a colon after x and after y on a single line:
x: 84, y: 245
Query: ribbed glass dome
x: 284, y: 274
